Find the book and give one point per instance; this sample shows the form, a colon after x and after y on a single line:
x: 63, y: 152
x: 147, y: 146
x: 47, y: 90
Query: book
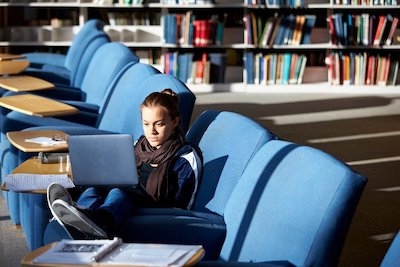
x: 218, y: 66
x: 379, y: 31
x: 283, y: 27
x: 273, y: 68
x: 298, y: 31
x: 184, y: 66
x: 115, y: 252
x: 248, y: 60
x: 331, y: 30
x: 393, y: 72
x: 386, y: 29
x: 290, y: 27
x: 267, y: 31
x: 286, y: 68
x: 307, y: 29
x: 392, y: 31
x: 275, y: 30
x: 202, y: 32
x: 302, y: 69
x: 293, y: 64
x: 254, y: 28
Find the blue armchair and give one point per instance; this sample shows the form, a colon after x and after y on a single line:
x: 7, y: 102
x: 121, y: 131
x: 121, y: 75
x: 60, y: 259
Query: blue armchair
x: 121, y: 115
x: 106, y: 64
x: 124, y: 85
x: 292, y: 206
x: 285, y: 205
x: 226, y: 141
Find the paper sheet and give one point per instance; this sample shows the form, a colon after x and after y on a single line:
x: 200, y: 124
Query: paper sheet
x: 29, y: 181
x: 151, y: 255
x: 45, y: 141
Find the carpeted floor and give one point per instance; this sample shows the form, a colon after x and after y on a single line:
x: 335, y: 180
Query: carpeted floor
x: 13, y: 245
x: 362, y: 130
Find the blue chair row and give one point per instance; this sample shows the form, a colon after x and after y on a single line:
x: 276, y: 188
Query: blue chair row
x: 120, y: 115
x: 106, y: 63
x: 97, y: 85
x: 261, y: 199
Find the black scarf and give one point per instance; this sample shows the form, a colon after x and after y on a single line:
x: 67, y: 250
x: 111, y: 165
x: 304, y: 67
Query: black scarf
x: 161, y: 157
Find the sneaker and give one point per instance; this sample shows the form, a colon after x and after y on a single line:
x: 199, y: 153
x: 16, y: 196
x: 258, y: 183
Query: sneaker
x: 70, y: 216
x: 56, y: 191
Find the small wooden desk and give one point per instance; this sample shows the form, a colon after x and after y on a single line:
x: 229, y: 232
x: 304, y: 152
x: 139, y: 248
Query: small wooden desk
x: 17, y: 139
x: 8, y: 56
x: 24, y: 83
x: 27, y: 261
x: 37, y: 105
x: 10, y: 66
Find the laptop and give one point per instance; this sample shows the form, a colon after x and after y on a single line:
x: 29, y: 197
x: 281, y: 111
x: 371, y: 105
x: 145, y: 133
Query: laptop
x: 103, y: 160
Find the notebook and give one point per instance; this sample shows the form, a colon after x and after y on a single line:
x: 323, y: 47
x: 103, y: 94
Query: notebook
x: 103, y: 160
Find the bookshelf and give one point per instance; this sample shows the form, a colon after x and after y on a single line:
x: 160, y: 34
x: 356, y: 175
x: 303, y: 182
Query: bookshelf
x: 238, y: 40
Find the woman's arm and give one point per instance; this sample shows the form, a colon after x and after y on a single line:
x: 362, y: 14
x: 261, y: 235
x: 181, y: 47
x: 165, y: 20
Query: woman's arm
x: 188, y: 169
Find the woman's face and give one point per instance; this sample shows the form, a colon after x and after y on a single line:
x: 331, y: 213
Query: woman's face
x: 157, y: 125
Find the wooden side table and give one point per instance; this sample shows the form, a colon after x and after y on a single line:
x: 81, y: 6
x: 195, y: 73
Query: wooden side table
x: 8, y: 56
x: 9, y: 66
x: 23, y: 83
x: 34, y: 166
x: 37, y: 105
x: 18, y: 139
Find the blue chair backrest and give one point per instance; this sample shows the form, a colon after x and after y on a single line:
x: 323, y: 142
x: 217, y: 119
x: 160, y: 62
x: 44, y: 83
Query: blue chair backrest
x: 90, y: 37
x: 105, y: 65
x: 226, y: 141
x: 293, y: 203
x: 122, y: 112
x: 121, y: 106
x: 392, y: 256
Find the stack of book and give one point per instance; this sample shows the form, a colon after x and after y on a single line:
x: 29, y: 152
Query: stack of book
x: 362, y: 69
x: 186, y: 29
x: 276, y: 68
x: 208, y: 68
x: 362, y: 29
x: 279, y: 30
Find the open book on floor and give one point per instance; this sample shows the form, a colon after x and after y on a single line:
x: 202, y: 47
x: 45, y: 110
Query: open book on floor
x: 114, y: 252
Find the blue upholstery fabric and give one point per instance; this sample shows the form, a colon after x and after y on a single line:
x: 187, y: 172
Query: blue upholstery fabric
x: 124, y: 86
x: 227, y: 142
x: 226, y: 149
x: 293, y: 203
x: 69, y: 69
x: 96, y: 88
x: 289, y: 204
x: 122, y: 115
x: 392, y: 257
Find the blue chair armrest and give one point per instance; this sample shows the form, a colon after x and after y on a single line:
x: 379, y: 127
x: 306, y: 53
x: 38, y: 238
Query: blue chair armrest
x: 62, y: 93
x: 46, y: 59
x: 83, y: 106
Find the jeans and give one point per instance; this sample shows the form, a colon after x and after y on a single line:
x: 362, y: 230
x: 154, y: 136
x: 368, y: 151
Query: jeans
x: 118, y: 202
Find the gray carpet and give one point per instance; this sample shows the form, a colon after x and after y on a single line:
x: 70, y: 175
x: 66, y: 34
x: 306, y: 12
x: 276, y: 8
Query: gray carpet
x: 13, y: 245
x: 362, y: 130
